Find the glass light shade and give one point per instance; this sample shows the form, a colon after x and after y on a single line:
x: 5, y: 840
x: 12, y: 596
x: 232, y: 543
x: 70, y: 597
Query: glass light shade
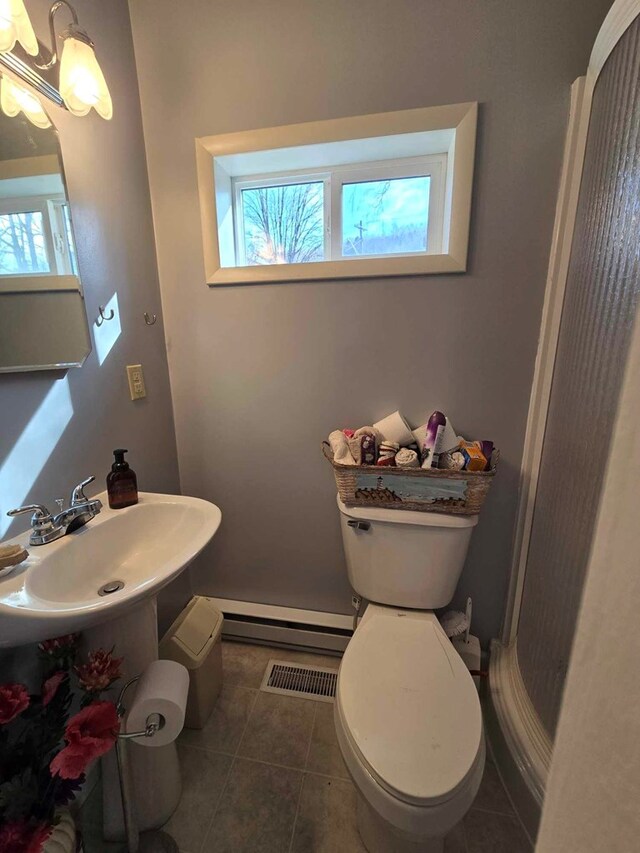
x: 15, y: 99
x: 16, y: 26
x: 82, y: 83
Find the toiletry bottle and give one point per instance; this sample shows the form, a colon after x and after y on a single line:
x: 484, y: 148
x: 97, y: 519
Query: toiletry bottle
x: 122, y: 484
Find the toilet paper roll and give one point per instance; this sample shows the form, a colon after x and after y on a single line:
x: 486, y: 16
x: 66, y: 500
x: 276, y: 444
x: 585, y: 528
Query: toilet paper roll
x: 162, y: 689
x: 395, y: 428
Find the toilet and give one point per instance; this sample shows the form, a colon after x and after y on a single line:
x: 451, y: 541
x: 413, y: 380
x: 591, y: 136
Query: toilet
x: 407, y: 712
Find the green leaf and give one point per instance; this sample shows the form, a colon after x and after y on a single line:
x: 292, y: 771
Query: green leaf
x: 18, y: 795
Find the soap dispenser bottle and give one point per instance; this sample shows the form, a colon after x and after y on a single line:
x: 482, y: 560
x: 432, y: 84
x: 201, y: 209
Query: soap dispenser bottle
x: 122, y: 484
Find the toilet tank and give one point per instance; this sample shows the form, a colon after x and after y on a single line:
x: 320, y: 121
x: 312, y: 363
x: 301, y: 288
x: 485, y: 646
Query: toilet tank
x: 405, y: 559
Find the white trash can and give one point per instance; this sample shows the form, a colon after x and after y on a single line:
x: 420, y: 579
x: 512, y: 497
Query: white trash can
x: 194, y: 640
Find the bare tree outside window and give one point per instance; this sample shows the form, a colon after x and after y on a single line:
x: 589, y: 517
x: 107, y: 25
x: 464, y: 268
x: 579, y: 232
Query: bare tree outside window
x: 22, y: 245
x: 284, y: 224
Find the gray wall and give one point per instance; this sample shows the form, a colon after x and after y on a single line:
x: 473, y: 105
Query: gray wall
x: 81, y: 415
x: 260, y: 374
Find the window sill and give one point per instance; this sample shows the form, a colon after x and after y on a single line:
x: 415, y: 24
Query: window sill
x: 327, y: 270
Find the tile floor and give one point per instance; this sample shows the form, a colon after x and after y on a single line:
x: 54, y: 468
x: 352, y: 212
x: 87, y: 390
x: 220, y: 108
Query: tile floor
x: 266, y: 776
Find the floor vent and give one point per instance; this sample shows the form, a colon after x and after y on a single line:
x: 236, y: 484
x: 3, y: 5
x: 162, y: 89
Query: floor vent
x: 309, y: 682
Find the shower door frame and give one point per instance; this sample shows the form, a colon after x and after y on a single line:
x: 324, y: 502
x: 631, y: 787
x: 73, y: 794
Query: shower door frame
x: 523, y: 747
x: 618, y: 20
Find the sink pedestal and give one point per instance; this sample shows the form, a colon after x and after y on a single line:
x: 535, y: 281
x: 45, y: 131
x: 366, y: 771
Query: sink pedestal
x: 155, y: 770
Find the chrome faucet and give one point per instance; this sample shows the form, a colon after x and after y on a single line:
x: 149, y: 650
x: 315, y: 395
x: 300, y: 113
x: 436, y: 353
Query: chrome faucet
x: 46, y: 527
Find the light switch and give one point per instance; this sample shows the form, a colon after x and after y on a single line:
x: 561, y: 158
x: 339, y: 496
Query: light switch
x: 135, y: 376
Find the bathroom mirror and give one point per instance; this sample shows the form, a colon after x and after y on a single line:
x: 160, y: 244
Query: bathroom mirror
x: 43, y: 323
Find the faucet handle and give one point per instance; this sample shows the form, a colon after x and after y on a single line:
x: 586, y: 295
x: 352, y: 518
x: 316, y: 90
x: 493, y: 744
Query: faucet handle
x: 60, y: 502
x: 77, y: 495
x: 39, y: 511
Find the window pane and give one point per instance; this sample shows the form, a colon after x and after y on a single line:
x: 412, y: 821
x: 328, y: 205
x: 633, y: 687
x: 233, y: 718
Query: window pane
x: 22, y: 245
x: 385, y: 217
x: 284, y: 224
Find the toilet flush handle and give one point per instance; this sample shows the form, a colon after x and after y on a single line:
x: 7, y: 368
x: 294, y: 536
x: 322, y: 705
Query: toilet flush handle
x: 359, y: 525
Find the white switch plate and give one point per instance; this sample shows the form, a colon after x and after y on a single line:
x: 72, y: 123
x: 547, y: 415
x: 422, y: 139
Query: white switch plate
x: 135, y: 375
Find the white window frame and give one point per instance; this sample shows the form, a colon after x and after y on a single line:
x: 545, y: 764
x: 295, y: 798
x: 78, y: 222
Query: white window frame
x: 334, y: 178
x: 279, y: 180
x: 433, y: 166
x: 456, y: 123
x: 53, y: 229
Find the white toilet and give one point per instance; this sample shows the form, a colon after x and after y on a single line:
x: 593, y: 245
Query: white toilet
x: 407, y: 712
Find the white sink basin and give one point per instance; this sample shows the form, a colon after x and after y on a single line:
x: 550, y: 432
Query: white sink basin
x: 143, y: 547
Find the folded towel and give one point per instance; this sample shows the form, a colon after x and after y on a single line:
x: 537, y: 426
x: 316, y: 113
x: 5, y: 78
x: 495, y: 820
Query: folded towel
x: 407, y: 458
x: 355, y: 449
x: 387, y: 460
x: 368, y: 430
x: 340, y: 447
x: 389, y: 448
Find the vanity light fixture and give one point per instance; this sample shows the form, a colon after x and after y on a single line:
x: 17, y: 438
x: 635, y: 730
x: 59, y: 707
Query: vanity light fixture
x: 15, y: 98
x: 15, y: 26
x: 82, y: 83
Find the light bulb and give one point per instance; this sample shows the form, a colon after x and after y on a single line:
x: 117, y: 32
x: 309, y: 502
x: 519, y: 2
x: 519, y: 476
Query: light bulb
x: 15, y: 26
x: 15, y: 99
x: 82, y: 83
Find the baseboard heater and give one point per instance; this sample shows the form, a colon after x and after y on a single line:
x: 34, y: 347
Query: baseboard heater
x: 284, y: 626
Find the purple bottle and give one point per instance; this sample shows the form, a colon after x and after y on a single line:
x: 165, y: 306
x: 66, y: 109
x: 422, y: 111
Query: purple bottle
x: 432, y: 445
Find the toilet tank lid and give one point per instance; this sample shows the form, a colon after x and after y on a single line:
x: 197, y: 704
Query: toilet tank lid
x: 401, y: 516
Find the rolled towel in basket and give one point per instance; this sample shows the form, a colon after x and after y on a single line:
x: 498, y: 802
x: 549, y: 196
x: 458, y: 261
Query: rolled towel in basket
x: 407, y: 458
x: 388, y: 450
x: 340, y: 447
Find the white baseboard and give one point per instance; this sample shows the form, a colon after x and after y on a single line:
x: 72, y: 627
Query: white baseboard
x: 521, y: 744
x: 287, y: 626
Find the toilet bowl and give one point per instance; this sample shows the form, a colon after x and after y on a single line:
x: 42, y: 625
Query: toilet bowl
x: 407, y: 712
x: 409, y: 726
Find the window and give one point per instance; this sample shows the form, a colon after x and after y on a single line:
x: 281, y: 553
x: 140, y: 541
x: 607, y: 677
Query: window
x: 35, y: 236
x: 376, y: 195
x: 22, y: 243
x: 377, y: 210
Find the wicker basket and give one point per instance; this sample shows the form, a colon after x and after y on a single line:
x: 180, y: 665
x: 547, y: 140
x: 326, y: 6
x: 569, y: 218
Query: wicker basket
x: 416, y: 489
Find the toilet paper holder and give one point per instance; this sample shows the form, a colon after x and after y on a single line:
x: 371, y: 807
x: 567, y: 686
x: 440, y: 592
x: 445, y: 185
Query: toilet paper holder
x: 154, y: 721
x: 153, y: 841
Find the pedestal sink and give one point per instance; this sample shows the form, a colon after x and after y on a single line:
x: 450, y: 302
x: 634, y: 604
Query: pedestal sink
x: 103, y: 580
x: 134, y: 552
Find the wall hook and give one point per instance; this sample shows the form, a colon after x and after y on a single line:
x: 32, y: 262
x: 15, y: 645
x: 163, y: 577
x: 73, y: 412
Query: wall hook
x: 100, y: 320
x: 150, y: 321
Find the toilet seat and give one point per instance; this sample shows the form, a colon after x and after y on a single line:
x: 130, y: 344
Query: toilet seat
x: 409, y: 707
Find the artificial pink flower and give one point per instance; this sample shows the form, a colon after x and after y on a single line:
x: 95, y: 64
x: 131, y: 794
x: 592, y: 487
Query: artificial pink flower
x: 19, y: 836
x: 50, y: 687
x: 89, y: 734
x: 100, y: 671
x: 59, y: 644
x: 14, y: 698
